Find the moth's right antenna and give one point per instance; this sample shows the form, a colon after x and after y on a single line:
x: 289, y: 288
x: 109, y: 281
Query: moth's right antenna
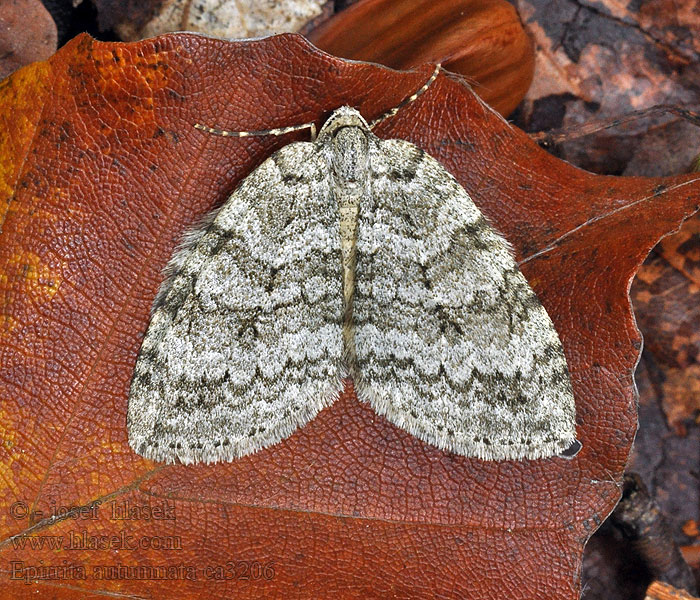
x: 412, y: 98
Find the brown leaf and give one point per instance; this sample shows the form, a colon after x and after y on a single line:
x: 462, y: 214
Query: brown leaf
x: 596, y: 62
x: 105, y: 170
x: 481, y: 39
x: 601, y: 60
x: 660, y: 590
x: 27, y: 34
x: 691, y: 554
x: 691, y: 529
x: 136, y: 13
x: 666, y: 296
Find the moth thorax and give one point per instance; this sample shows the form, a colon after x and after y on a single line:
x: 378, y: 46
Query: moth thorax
x: 350, y: 157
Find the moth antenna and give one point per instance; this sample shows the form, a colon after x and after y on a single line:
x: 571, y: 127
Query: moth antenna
x: 412, y: 98
x: 241, y: 134
x: 312, y: 126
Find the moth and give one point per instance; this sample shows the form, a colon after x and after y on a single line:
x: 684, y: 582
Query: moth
x: 348, y: 256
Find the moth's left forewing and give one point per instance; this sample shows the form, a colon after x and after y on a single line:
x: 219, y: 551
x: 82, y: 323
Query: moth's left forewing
x: 245, y: 341
x: 452, y: 344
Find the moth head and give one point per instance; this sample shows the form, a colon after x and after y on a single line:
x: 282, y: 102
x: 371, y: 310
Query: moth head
x: 345, y: 136
x: 344, y: 116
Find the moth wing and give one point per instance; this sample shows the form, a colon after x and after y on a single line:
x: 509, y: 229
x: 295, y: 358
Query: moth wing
x: 245, y: 340
x: 451, y: 342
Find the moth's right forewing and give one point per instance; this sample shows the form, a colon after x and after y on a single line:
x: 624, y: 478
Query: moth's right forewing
x: 452, y: 343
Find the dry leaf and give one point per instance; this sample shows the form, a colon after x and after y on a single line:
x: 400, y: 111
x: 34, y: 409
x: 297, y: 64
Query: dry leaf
x: 27, y: 34
x: 480, y: 39
x: 600, y: 60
